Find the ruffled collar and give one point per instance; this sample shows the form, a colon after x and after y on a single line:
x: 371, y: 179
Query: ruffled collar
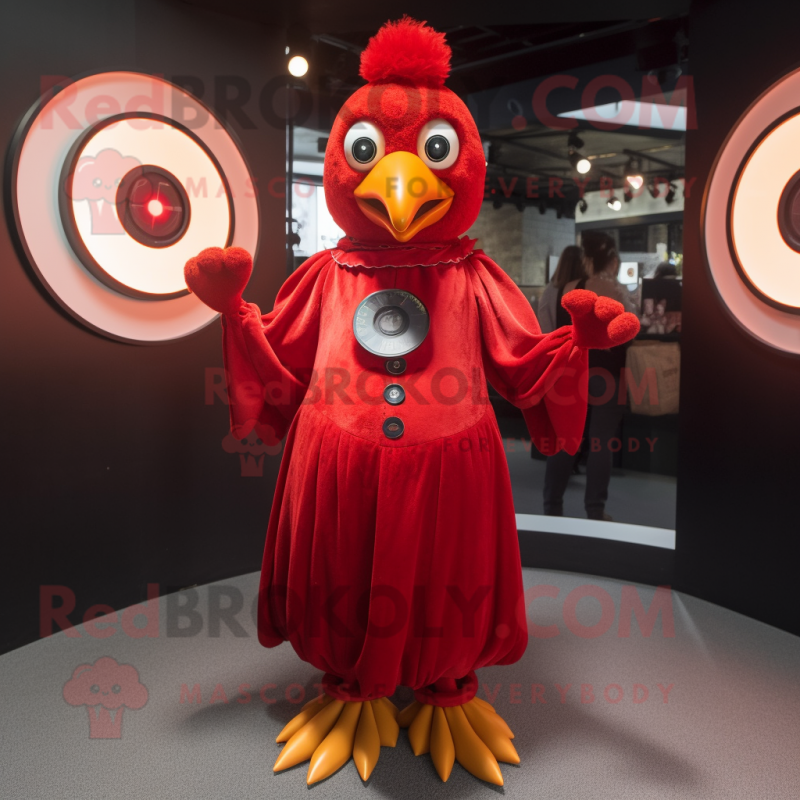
x: 349, y: 253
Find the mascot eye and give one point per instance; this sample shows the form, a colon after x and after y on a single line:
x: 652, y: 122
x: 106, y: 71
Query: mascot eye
x: 437, y: 144
x: 363, y: 146
x: 437, y: 148
x: 364, y: 150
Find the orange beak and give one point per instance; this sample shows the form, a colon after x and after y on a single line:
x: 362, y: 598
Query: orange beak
x: 402, y: 195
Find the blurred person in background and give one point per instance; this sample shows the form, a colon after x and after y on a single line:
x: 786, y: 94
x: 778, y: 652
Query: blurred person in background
x: 665, y: 270
x: 601, y: 261
x: 570, y: 270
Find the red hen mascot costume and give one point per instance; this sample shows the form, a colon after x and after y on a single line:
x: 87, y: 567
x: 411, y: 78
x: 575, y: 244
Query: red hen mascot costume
x: 391, y: 555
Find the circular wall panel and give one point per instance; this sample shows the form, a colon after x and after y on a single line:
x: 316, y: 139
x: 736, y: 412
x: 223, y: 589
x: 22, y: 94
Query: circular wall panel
x: 109, y: 210
x: 751, y: 218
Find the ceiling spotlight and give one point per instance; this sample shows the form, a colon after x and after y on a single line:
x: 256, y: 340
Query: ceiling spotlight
x: 298, y: 66
x: 520, y: 204
x: 579, y: 162
x: 497, y: 203
x: 542, y: 207
x: 627, y: 195
x: 669, y: 198
x: 583, y: 205
x: 298, y: 47
x: 635, y: 181
x: 633, y: 174
x: 614, y: 203
x: 575, y: 142
x: 653, y: 189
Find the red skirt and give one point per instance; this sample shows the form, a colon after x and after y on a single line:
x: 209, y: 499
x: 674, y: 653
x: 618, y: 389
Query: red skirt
x: 389, y: 566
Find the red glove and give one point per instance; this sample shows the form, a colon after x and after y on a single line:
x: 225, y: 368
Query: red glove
x: 218, y: 277
x: 599, y: 322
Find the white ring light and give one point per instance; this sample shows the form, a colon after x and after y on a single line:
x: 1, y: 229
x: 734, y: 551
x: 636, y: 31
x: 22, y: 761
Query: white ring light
x: 151, y: 304
x: 756, y: 273
x: 149, y: 270
x: 770, y: 265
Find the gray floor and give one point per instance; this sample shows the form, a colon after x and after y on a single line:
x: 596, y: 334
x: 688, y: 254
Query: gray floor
x: 729, y: 729
x: 637, y: 498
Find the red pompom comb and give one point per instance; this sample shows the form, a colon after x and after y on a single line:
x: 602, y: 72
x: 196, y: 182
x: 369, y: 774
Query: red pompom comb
x: 406, y: 51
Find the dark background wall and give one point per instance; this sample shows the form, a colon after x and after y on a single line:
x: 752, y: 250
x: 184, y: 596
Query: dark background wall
x: 114, y: 474
x: 737, y: 522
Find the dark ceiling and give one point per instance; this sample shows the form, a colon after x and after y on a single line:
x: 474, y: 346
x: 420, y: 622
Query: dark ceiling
x: 486, y: 56
x: 496, y: 46
x: 343, y: 16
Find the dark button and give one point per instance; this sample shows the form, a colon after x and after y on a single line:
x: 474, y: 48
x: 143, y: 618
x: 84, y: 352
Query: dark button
x: 396, y: 366
x: 394, y: 394
x: 393, y: 427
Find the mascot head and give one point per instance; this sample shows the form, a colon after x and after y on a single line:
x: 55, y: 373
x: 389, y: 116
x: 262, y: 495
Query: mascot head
x: 404, y: 161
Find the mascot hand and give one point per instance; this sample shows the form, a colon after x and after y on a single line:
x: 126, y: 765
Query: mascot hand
x: 218, y: 277
x: 599, y: 322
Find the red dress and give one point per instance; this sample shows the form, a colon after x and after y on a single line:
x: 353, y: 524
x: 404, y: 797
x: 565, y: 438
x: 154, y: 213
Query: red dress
x: 396, y: 561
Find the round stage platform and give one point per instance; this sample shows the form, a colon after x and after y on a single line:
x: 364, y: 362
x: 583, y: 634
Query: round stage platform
x: 608, y: 702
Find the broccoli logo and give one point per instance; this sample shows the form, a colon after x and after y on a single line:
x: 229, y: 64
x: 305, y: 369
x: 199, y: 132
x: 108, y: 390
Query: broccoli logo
x: 95, y: 179
x: 106, y: 688
x: 252, y: 448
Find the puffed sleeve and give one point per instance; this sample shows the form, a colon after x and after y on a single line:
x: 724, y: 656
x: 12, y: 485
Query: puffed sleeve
x: 545, y: 375
x: 269, y: 359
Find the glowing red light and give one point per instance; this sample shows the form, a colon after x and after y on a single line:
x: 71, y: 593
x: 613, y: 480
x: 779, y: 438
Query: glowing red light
x: 155, y: 207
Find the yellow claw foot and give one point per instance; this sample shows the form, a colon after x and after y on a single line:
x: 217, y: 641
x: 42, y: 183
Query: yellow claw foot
x: 473, y: 734
x: 328, y: 732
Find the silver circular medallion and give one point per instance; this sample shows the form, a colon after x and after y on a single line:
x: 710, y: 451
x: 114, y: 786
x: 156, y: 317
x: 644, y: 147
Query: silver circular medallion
x: 391, y: 322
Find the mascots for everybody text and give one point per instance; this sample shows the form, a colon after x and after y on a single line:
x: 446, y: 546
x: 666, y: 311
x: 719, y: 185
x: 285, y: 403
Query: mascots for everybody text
x: 391, y: 556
